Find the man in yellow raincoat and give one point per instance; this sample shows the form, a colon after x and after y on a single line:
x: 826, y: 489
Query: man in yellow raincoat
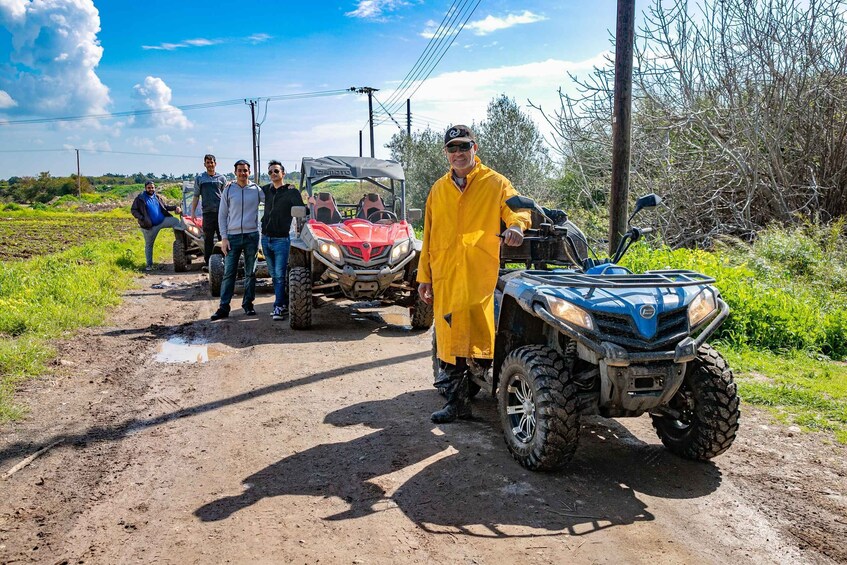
x: 460, y: 260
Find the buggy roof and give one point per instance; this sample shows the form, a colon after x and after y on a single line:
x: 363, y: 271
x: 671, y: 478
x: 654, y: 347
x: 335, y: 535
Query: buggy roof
x: 351, y: 168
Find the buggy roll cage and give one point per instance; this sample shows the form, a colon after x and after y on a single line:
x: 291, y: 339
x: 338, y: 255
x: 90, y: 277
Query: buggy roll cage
x: 314, y: 171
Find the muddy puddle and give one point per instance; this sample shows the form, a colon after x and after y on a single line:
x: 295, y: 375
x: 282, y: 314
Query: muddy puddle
x: 391, y: 315
x: 181, y: 350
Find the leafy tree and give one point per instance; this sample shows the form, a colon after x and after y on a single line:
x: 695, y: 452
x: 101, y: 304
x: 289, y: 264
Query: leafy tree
x: 423, y: 162
x: 511, y: 144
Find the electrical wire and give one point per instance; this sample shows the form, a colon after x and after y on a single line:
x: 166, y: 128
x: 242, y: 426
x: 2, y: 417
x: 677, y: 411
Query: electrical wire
x: 187, y: 107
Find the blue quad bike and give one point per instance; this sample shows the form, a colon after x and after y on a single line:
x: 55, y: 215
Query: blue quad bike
x: 595, y: 338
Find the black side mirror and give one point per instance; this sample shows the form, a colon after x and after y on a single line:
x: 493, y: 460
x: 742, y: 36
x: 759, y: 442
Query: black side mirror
x: 648, y: 201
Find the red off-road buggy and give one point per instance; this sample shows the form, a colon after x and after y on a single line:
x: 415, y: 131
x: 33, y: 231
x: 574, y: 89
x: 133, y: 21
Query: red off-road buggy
x: 365, y: 250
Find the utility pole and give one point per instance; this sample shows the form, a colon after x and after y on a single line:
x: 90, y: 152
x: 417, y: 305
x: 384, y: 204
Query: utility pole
x: 255, y: 141
x: 621, y: 121
x: 369, y: 91
x: 409, y: 117
x: 78, y: 179
x: 360, y: 143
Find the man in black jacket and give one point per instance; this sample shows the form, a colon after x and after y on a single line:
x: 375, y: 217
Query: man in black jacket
x: 153, y: 214
x: 276, y: 225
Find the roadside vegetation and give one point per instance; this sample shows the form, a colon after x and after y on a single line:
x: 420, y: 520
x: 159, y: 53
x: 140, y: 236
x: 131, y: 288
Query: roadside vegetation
x: 76, y: 267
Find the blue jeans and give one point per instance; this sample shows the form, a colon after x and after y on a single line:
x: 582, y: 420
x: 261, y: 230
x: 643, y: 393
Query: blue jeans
x: 247, y: 243
x: 276, y: 254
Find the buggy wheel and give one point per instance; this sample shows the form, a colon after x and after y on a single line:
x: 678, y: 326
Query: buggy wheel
x: 181, y: 259
x: 538, y: 408
x: 421, y: 314
x: 439, y: 377
x: 216, y: 273
x: 300, y: 298
x: 708, y: 409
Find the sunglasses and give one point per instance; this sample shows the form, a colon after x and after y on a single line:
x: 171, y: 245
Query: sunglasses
x: 465, y: 146
x: 275, y: 171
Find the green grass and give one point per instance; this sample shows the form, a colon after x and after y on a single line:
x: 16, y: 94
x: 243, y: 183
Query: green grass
x: 797, y: 387
x: 50, y: 296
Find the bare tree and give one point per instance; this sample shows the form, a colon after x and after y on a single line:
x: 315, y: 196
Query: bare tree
x: 739, y: 115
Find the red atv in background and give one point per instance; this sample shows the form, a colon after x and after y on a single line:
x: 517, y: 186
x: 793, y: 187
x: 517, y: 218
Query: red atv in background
x: 365, y: 250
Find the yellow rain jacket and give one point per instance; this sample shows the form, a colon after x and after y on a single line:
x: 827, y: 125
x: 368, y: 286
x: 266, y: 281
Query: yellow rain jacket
x: 461, y: 258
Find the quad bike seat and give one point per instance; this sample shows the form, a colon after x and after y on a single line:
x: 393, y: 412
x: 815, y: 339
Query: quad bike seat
x: 369, y: 204
x: 323, y: 208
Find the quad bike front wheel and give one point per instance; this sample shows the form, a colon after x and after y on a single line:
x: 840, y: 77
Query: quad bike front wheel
x: 705, y: 410
x: 181, y: 258
x: 538, y: 408
x: 299, y: 298
x: 216, y: 273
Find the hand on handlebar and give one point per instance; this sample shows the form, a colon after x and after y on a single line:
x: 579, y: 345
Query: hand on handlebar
x: 513, y: 236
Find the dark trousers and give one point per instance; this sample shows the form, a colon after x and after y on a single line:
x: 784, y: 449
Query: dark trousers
x: 210, y: 230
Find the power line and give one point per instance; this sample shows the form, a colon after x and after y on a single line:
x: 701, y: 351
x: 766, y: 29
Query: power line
x: 462, y: 13
x: 200, y: 106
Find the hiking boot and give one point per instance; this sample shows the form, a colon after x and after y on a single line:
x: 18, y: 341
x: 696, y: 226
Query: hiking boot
x: 249, y: 310
x: 458, y: 403
x: 220, y: 314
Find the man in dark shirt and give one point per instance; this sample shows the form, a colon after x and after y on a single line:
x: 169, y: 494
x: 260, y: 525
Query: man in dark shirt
x: 276, y: 225
x: 208, y: 187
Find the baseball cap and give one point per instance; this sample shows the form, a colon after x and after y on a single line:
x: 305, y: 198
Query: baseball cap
x: 459, y: 133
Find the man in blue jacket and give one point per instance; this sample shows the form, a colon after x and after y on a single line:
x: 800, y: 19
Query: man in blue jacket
x: 153, y: 215
x: 238, y: 220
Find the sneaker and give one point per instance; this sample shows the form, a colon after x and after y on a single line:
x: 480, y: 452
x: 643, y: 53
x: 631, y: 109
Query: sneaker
x: 249, y: 310
x: 205, y: 268
x: 149, y: 269
x: 220, y: 313
x: 279, y: 313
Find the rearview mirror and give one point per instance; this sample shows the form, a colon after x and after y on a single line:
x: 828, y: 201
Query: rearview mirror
x: 414, y: 214
x: 648, y: 201
x: 516, y: 203
x: 298, y: 211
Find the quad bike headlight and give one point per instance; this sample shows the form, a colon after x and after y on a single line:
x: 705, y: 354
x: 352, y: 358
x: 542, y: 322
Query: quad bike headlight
x: 194, y: 230
x: 331, y: 250
x: 567, y: 312
x: 400, y: 250
x: 701, y: 307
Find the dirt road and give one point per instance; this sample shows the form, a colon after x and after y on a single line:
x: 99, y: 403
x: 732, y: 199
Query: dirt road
x: 316, y: 447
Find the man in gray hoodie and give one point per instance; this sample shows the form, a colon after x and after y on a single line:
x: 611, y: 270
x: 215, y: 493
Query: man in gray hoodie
x: 238, y: 220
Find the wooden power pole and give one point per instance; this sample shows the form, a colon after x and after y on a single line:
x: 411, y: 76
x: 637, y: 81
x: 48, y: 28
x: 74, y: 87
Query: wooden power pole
x: 621, y: 121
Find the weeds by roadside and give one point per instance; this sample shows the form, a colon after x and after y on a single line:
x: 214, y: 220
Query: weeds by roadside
x: 47, y: 297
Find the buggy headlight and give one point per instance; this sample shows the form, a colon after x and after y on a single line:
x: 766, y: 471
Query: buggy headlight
x: 400, y: 250
x: 567, y: 312
x: 331, y: 250
x: 193, y: 229
x: 701, y: 307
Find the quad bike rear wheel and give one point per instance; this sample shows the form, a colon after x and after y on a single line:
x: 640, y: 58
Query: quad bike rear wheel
x: 216, y: 273
x: 299, y: 298
x: 181, y: 258
x: 538, y: 408
x: 707, y: 410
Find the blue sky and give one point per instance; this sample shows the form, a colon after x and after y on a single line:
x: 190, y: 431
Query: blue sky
x: 62, y: 58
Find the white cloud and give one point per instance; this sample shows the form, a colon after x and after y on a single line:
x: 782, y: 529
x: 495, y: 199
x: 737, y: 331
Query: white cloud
x: 199, y: 42
x: 153, y: 94
x: 257, y: 38
x: 164, y: 138
x: 53, y: 58
x: 6, y: 101
x: 374, y: 9
x: 487, y: 25
x: 490, y: 24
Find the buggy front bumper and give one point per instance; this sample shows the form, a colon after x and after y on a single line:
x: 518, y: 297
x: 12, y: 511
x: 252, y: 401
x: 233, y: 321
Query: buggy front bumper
x: 365, y: 283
